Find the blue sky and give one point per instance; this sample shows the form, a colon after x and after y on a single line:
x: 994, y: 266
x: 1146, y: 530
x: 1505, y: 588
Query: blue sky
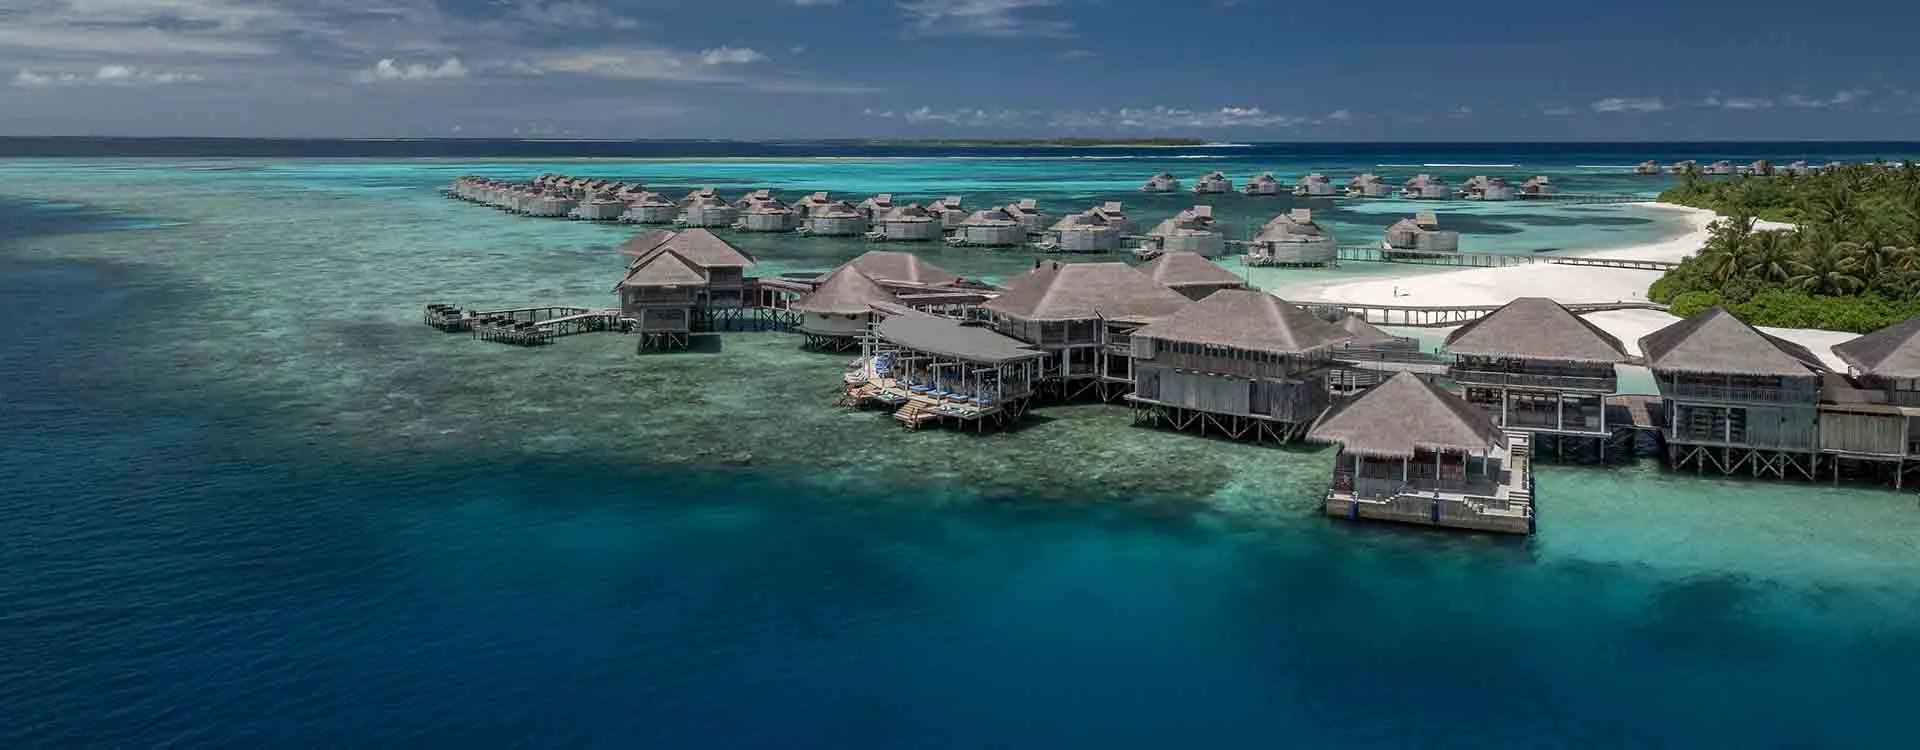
x: 1222, y: 69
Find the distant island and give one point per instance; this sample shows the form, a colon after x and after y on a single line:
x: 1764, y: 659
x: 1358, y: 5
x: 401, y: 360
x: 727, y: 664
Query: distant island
x: 1052, y: 142
x: 1850, y: 263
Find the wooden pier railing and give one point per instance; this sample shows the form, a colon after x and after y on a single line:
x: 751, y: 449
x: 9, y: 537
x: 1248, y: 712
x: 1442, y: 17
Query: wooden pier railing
x: 1377, y: 254
x: 1418, y: 316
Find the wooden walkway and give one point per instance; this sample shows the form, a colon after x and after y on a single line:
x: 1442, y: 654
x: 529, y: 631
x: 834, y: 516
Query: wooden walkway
x: 1640, y: 412
x: 1377, y: 254
x: 523, y: 326
x: 1419, y: 316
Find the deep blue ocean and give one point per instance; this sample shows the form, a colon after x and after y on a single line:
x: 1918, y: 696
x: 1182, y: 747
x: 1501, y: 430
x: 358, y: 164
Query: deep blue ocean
x: 183, y: 563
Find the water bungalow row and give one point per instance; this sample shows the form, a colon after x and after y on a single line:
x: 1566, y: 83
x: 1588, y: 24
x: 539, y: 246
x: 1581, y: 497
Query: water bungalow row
x: 1317, y: 185
x: 1724, y: 168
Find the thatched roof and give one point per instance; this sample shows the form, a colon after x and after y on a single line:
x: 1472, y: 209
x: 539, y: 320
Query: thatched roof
x: 990, y: 217
x: 1540, y: 329
x: 1084, y: 291
x: 1891, y: 352
x: 1247, y: 319
x: 1086, y: 220
x: 1714, y: 342
x: 846, y: 291
x: 1405, y: 414
x: 645, y: 242
x: 1180, y: 268
x: 698, y: 246
x: 1364, y: 333
x: 909, y: 212
x: 900, y: 267
x: 836, y: 208
x: 664, y: 268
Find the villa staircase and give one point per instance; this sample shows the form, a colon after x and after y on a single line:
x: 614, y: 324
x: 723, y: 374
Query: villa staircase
x: 1520, y: 462
x: 914, y: 414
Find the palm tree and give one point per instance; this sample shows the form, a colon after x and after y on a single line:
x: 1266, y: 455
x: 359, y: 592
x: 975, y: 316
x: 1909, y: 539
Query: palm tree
x: 1726, y: 247
x: 1770, y: 257
x: 1826, y: 269
x: 1830, y: 209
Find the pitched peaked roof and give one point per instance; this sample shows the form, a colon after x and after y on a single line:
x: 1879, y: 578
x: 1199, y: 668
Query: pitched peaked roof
x: 1717, y: 343
x: 900, y: 267
x: 1891, y: 352
x: 1081, y: 291
x: 698, y: 246
x: 1364, y: 333
x: 1537, y: 328
x: 1247, y: 319
x: 963, y: 340
x: 1178, y: 268
x: 846, y: 291
x: 1406, y: 414
x: 664, y: 268
x: 645, y: 242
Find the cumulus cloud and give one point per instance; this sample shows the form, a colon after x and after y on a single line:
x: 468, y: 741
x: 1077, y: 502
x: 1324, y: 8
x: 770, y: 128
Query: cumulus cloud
x: 984, y: 18
x: 1339, y: 115
x: 1736, y: 102
x: 1630, y: 104
x: 572, y: 14
x: 387, y: 70
x: 730, y: 56
x: 105, y: 75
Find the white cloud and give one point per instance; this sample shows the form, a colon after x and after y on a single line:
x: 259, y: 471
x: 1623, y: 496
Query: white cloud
x: 730, y: 56
x: 105, y: 75
x: 1460, y: 112
x: 1339, y: 115
x: 964, y: 117
x: 1838, y: 98
x: 572, y: 14
x: 1164, y: 118
x: 388, y: 70
x: 987, y: 18
x: 1736, y: 102
x: 1630, y: 104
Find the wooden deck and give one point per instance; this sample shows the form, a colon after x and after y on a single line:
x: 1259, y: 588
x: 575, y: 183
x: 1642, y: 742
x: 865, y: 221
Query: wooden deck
x: 914, y: 409
x: 1510, y: 510
x: 1638, y: 412
x: 1419, y: 316
x: 1378, y: 254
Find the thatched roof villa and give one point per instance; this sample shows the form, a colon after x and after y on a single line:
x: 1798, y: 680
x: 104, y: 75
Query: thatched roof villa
x: 1536, y: 366
x: 1368, y: 185
x: 1420, y: 234
x: 1213, y: 182
x: 650, y: 208
x: 677, y: 282
x: 1264, y: 184
x: 1080, y: 313
x: 1239, y: 362
x: 1736, y: 397
x: 1164, y: 182
x: 838, y: 311
x: 1192, y: 230
x: 1193, y: 276
x: 908, y: 223
x: 1292, y: 239
x: 1315, y: 185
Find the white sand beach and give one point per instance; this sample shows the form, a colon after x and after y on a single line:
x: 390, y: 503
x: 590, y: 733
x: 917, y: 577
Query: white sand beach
x: 1494, y: 286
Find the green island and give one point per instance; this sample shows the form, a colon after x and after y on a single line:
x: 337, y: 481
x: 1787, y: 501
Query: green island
x: 1058, y: 142
x: 1851, y: 262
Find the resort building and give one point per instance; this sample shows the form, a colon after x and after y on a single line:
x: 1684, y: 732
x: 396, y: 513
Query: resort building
x: 929, y: 369
x: 1539, y: 186
x: 754, y: 197
x: 1535, y: 366
x: 1736, y: 398
x: 1425, y: 187
x: 1292, y: 239
x: 1797, y: 169
x: 681, y: 283
x: 805, y: 207
x: 992, y: 228
x: 1420, y: 234
x: 1027, y: 212
x: 1239, y: 362
x: 1370, y: 356
x: 769, y: 215
x: 1761, y: 168
x: 840, y: 310
x: 1368, y: 185
x: 1876, y: 416
x: 921, y: 285
x: 949, y: 210
x: 698, y: 195
x: 1192, y: 276
x: 1685, y: 166
x: 1115, y: 215
x: 1413, y: 453
x: 1484, y: 188
x: 1080, y: 314
x: 1192, y: 230
x: 1164, y: 182
x: 650, y: 208
x: 707, y: 211
x: 875, y: 207
x: 836, y: 219
x: 1719, y: 168
x: 1087, y: 232
x: 908, y: 223
x: 1213, y: 182
x: 1315, y: 185
x: 1647, y: 167
x: 1265, y: 184
x: 604, y: 206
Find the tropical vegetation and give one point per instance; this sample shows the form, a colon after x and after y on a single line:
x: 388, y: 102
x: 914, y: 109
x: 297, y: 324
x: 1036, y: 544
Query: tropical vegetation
x: 1850, y: 263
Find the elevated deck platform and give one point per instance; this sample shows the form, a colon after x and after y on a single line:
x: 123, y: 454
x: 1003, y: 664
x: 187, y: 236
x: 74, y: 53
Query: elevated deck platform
x: 1422, y: 316
x: 1505, y: 506
x: 1378, y: 254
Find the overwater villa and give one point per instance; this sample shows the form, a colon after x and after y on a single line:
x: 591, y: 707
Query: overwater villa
x: 805, y: 207
x: 1314, y: 185
x: 1192, y: 230
x: 1085, y: 232
x: 876, y: 206
x: 1368, y: 185
x: 903, y: 272
x: 1535, y: 366
x: 1027, y: 212
x: 1265, y: 184
x: 908, y: 223
x: 1192, y: 276
x: 991, y: 228
x: 1164, y: 182
x: 650, y: 208
x: 950, y: 211
x: 1719, y: 168
x: 1539, y: 186
x: 1239, y: 362
x: 1648, y: 167
x: 1760, y: 168
x: 700, y: 194
x: 1419, y: 234
x: 1685, y: 166
x: 603, y: 206
x: 768, y: 215
x: 1484, y: 188
x: 1875, y: 416
x: 1080, y: 314
x: 840, y: 310
x: 1425, y: 187
x: 836, y: 219
x: 752, y: 197
x: 680, y: 283
x: 1736, y: 398
x: 1115, y: 215
x: 1413, y: 453
x: 1213, y: 182
x: 1292, y: 239
x: 1797, y: 169
x: 707, y: 211
x: 931, y: 369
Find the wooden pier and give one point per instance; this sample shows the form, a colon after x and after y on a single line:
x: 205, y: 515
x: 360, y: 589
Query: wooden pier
x: 523, y: 326
x: 1420, y: 316
x: 1377, y: 254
